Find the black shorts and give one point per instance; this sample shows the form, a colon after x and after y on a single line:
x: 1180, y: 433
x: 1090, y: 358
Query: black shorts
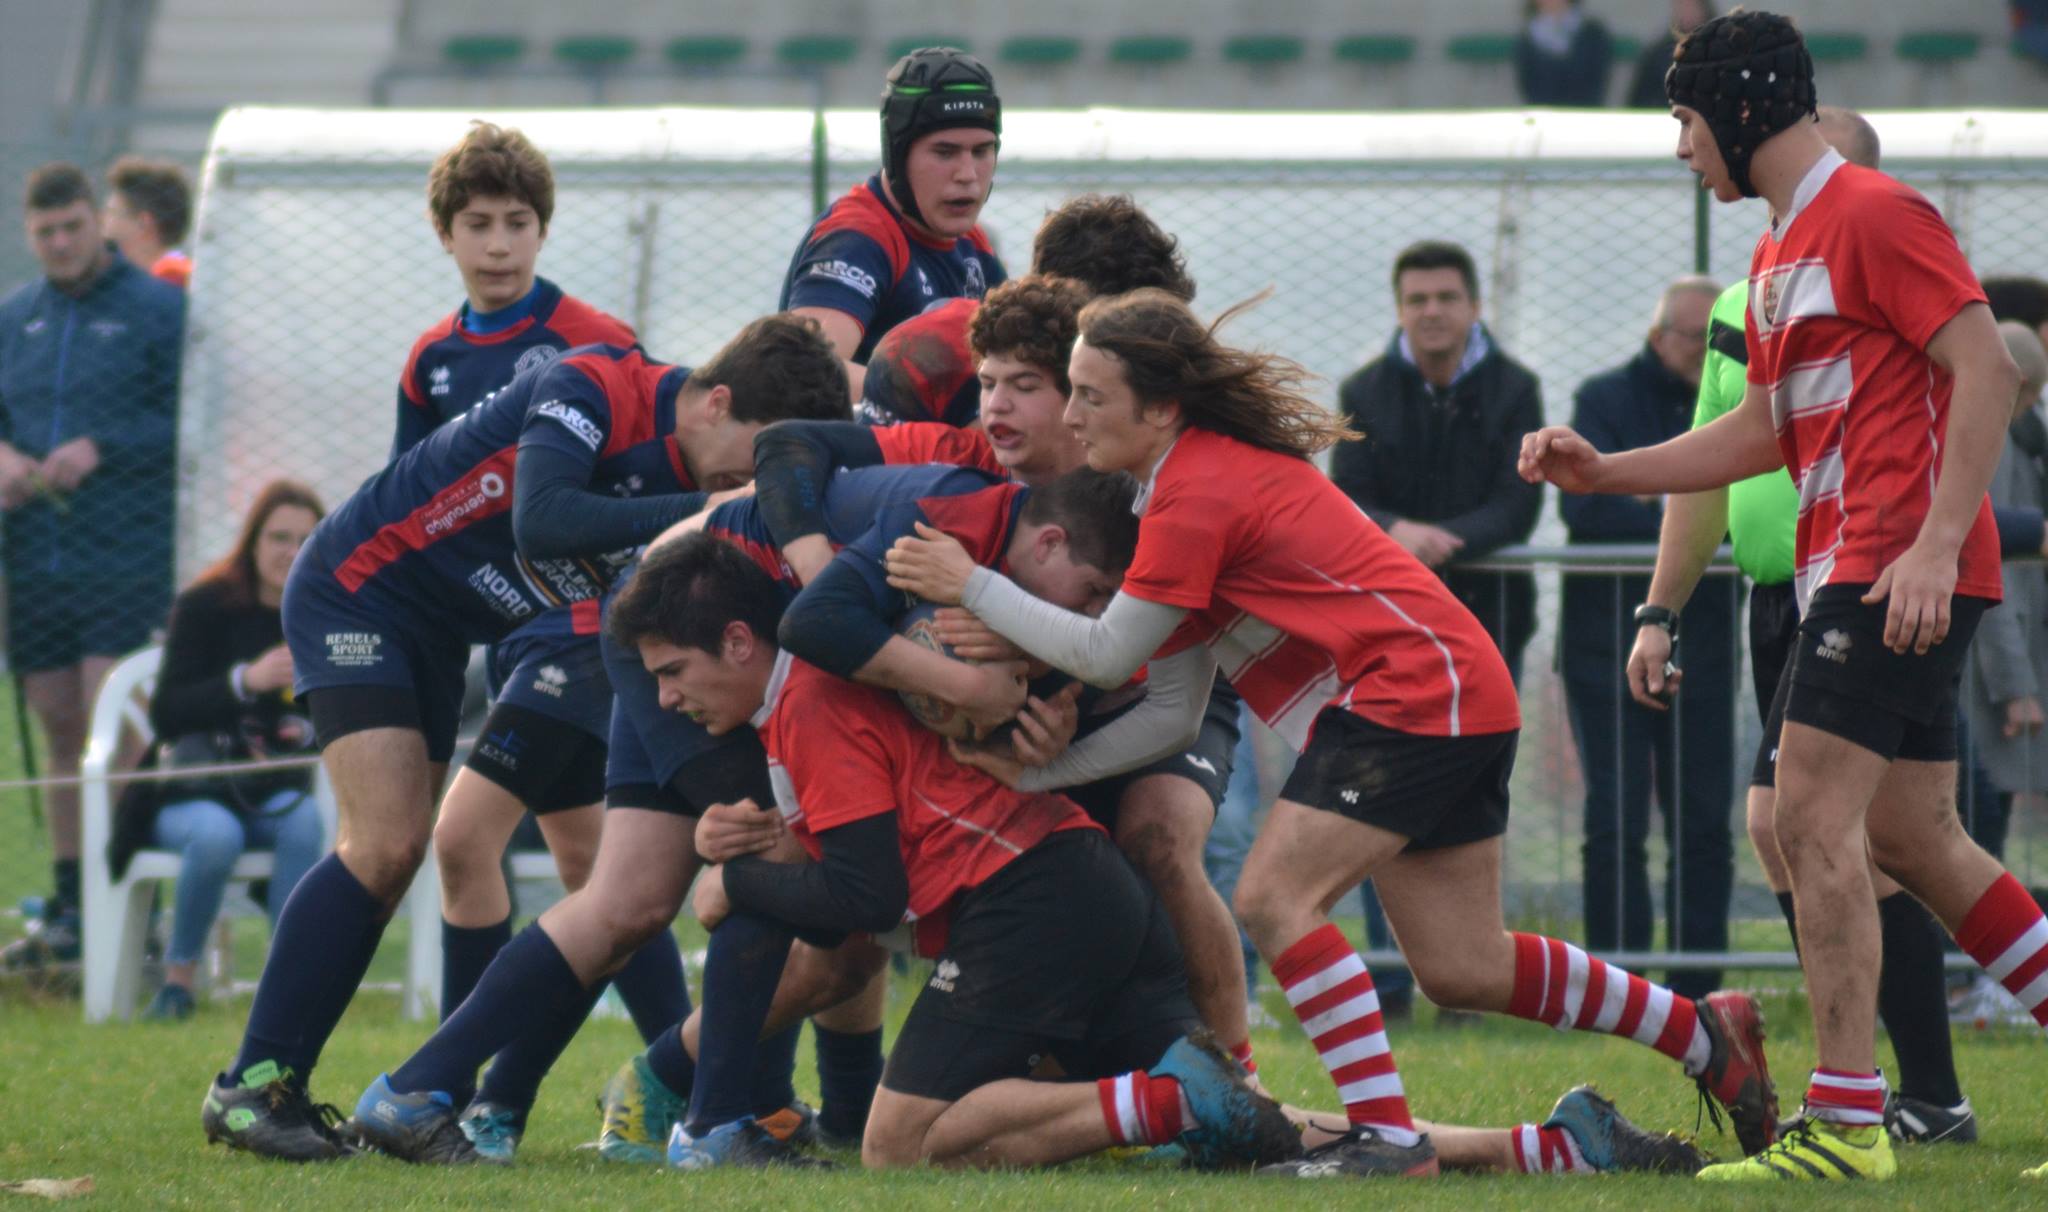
x: 56, y: 623
x: 432, y: 709
x: 547, y: 763
x: 1842, y: 680
x: 1063, y: 953
x: 1206, y: 763
x: 1436, y: 791
x: 1773, y: 626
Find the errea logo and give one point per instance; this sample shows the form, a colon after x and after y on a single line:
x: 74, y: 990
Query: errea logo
x: 551, y: 680
x: 437, y: 382
x: 1349, y: 797
x: 945, y: 975
x: 1833, y: 646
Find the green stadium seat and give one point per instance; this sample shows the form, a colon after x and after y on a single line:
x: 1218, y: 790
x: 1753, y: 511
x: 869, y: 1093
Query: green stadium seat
x: 1041, y: 51
x: 816, y: 50
x: 1939, y: 46
x: 1150, y: 50
x: 1262, y: 49
x: 1481, y: 48
x: 483, y: 50
x: 706, y: 51
x: 1837, y: 48
x: 1375, y: 48
x: 595, y: 51
x: 899, y: 47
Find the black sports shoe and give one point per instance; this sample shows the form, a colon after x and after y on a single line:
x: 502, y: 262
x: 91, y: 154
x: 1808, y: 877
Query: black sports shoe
x: 1913, y: 1121
x: 271, y: 1115
x: 1610, y: 1143
x: 1360, y: 1153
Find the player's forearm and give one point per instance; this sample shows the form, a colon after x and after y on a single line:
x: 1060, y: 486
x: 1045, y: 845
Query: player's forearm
x: 1732, y: 447
x: 903, y: 665
x: 858, y: 882
x: 1164, y: 722
x: 1694, y: 524
x: 792, y: 462
x: 1102, y: 652
x: 1980, y: 408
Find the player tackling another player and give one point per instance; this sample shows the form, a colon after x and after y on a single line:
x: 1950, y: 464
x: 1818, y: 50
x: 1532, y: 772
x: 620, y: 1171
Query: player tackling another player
x: 1877, y: 377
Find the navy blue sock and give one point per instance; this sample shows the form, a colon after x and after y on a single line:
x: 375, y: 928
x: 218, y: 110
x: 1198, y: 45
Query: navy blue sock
x: 775, y: 1071
x: 741, y: 969
x: 328, y: 923
x: 670, y: 1062
x: 514, y: 1078
x: 529, y: 983
x: 849, y: 1069
x: 465, y: 952
x: 651, y: 985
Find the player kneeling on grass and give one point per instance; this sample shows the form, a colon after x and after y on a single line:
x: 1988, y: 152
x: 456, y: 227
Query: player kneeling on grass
x: 1051, y: 945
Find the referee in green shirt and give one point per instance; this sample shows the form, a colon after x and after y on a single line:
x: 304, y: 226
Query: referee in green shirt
x: 1760, y: 517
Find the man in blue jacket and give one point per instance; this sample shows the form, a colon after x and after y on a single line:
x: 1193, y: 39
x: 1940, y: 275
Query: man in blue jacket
x: 88, y: 418
x: 1627, y: 750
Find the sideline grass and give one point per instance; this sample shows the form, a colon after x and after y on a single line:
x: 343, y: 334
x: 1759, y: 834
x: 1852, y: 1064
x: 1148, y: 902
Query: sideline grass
x: 120, y: 1103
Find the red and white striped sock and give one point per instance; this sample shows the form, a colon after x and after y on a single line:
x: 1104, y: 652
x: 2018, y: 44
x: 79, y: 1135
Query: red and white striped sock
x: 1541, y: 1150
x: 1332, y: 995
x: 1558, y: 984
x: 1140, y: 1109
x: 1850, y: 1100
x: 1242, y: 1054
x: 2005, y: 932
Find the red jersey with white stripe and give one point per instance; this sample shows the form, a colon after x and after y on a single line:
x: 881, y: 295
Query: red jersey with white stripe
x: 1305, y: 602
x: 840, y: 752
x: 1845, y: 294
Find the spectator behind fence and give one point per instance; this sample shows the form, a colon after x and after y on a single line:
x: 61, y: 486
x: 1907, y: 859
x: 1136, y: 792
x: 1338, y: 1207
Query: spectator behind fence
x: 1646, y: 87
x: 1562, y: 55
x: 2010, y: 655
x: 148, y: 212
x: 1443, y: 411
x: 223, y: 694
x: 88, y: 401
x: 1687, y: 755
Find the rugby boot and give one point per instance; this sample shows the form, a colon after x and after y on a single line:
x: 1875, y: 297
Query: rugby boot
x: 268, y: 1113
x: 1814, y: 1151
x: 1360, y: 1153
x: 741, y: 1143
x: 1738, y: 1077
x: 1913, y: 1121
x: 493, y: 1131
x: 795, y: 1125
x: 638, y: 1112
x: 1234, y: 1123
x: 1610, y: 1143
x: 417, y: 1127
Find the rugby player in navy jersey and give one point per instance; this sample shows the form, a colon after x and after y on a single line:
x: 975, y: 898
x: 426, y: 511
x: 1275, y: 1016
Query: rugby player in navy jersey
x: 908, y: 237
x: 532, y: 499
x: 491, y: 198
x: 666, y: 770
x: 1136, y: 770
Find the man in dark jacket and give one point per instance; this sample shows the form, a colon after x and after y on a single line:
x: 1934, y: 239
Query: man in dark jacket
x: 1443, y: 411
x: 1626, y: 749
x: 88, y: 407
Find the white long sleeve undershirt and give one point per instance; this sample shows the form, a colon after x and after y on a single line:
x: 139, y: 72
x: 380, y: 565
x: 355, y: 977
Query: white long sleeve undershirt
x: 1102, y: 652
x: 1163, y: 723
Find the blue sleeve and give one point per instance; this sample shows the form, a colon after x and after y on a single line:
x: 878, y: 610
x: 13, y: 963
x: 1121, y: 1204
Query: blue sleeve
x: 844, y: 271
x: 414, y: 423
x: 847, y: 613
x: 137, y: 432
x: 555, y: 516
x: 793, y: 461
x: 568, y: 413
x: 1601, y: 517
x: 2019, y: 530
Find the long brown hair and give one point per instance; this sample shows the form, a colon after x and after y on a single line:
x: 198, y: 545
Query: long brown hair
x: 1170, y: 355
x: 235, y: 573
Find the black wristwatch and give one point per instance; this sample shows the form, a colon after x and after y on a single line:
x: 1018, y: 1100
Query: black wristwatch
x: 1658, y: 616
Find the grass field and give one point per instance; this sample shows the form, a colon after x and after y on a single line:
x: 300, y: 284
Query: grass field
x: 120, y: 1103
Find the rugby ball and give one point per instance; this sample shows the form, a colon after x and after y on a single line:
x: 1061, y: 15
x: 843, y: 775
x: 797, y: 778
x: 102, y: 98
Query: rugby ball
x: 919, y: 625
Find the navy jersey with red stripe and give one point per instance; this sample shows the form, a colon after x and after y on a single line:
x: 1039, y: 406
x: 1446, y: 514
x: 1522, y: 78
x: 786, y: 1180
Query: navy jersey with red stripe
x: 451, y: 368
x: 857, y: 502
x: 435, y: 527
x: 861, y: 258
x: 922, y: 370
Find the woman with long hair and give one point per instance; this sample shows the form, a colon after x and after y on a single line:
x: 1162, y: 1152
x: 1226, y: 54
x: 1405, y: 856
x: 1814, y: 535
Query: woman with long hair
x: 1399, y: 703
x: 223, y: 694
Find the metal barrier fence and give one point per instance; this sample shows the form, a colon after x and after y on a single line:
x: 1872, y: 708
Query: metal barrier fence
x: 316, y: 268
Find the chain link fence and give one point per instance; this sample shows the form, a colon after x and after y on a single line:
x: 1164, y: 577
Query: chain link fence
x: 316, y: 268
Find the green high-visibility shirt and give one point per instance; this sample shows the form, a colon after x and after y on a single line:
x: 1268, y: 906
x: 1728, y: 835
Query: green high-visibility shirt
x: 1763, y: 511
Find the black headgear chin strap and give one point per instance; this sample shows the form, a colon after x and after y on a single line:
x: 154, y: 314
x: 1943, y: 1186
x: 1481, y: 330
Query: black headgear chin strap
x: 932, y: 88
x: 1749, y: 76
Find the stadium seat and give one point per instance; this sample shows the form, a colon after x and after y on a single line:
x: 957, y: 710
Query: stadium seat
x: 1262, y: 49
x: 816, y: 50
x: 706, y: 51
x: 478, y: 51
x: 1150, y: 50
x: 1375, y: 48
x: 1837, y: 48
x: 899, y: 47
x: 1939, y: 46
x: 1481, y: 48
x: 595, y: 51
x: 1041, y: 51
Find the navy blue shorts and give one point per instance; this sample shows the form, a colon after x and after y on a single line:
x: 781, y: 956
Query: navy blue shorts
x: 550, y: 669
x: 369, y: 660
